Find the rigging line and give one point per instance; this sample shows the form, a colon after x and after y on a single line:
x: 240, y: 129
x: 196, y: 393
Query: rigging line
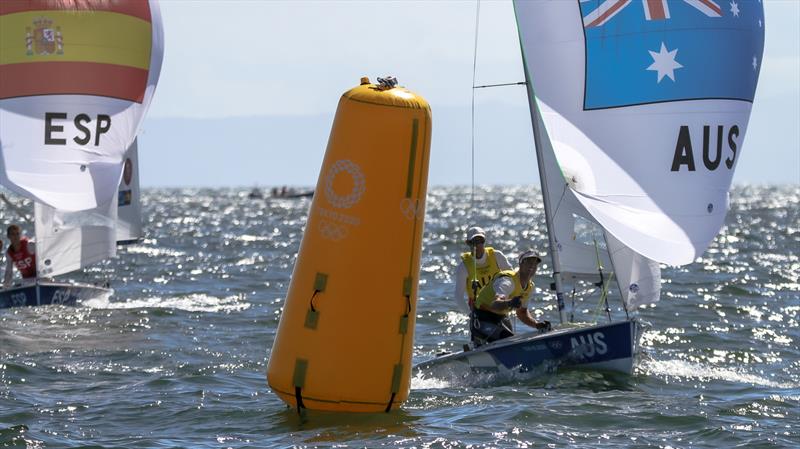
x: 560, y: 200
x: 519, y: 83
x: 600, y: 270
x: 474, y: 72
x: 604, y: 298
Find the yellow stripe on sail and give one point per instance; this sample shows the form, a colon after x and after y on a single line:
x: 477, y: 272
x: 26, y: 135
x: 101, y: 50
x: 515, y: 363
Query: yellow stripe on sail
x: 97, y: 36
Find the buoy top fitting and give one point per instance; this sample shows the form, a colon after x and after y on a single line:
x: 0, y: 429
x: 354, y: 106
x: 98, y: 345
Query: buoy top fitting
x: 386, y: 93
x: 387, y: 83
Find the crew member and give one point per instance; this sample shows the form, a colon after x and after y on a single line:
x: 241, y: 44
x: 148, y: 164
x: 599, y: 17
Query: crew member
x: 477, y: 267
x: 21, y: 254
x: 509, y: 290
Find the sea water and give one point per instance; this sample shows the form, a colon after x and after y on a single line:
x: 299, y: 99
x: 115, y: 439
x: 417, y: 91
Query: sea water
x: 177, y: 357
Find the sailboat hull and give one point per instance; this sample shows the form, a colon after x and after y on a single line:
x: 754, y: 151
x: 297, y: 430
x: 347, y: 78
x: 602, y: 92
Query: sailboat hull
x: 607, y: 347
x: 46, y: 293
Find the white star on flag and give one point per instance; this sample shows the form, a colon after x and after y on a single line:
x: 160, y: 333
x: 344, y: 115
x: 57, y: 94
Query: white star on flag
x: 759, y: 23
x: 755, y: 63
x: 664, y: 63
x: 735, y: 9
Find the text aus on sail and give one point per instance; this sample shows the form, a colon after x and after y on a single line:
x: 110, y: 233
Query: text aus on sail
x: 719, y: 144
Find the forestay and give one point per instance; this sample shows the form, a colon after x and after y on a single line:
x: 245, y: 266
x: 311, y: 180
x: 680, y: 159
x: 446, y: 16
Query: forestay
x: 78, y: 76
x: 646, y: 104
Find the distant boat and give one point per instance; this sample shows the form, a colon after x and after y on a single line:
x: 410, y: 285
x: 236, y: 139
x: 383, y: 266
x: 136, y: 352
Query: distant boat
x: 255, y: 194
x: 69, y: 241
x: 291, y: 192
x: 41, y: 293
x: 622, y: 188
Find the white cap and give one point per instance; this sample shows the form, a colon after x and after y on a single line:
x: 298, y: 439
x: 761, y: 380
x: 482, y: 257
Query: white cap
x: 529, y: 254
x: 475, y: 232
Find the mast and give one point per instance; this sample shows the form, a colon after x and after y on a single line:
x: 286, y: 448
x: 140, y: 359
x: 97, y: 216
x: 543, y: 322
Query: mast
x: 548, y: 211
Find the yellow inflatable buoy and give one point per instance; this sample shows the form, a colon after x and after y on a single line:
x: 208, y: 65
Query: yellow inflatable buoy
x: 345, y: 336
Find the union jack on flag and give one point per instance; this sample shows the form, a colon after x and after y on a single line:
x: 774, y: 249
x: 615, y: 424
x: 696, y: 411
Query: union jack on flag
x: 652, y: 51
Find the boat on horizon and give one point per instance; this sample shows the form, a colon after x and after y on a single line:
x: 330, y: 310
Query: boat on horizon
x: 290, y: 193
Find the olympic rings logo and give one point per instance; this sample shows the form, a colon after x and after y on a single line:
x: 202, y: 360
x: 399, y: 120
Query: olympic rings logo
x: 332, y: 231
x: 359, y: 185
x: 411, y: 208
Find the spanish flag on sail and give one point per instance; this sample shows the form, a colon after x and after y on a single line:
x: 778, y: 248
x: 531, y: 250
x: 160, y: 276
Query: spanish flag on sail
x: 80, y: 47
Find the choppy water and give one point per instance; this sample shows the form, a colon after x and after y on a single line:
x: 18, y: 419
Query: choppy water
x: 177, y: 358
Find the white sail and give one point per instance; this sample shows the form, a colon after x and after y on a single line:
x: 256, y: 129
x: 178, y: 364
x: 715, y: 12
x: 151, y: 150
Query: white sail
x: 638, y: 278
x: 584, y: 247
x: 579, y: 239
x: 648, y: 112
x: 69, y: 241
x: 129, y: 212
x: 77, y: 78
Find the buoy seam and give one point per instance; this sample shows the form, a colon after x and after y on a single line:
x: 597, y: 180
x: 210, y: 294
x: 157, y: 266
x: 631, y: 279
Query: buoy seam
x: 412, y: 158
x: 409, y: 105
x: 327, y: 401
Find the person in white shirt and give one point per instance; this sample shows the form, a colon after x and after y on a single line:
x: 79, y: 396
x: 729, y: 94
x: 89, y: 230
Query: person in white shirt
x: 476, y: 269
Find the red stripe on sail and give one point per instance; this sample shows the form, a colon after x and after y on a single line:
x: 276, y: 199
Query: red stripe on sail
x: 72, y: 78
x: 609, y: 12
x: 656, y: 9
x: 713, y: 6
x: 135, y: 8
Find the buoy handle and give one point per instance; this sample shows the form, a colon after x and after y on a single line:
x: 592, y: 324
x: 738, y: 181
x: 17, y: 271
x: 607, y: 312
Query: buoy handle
x: 387, y: 83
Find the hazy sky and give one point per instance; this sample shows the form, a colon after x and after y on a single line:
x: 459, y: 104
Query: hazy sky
x: 292, y: 61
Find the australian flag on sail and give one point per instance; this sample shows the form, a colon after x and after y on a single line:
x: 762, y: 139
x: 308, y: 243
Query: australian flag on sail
x: 653, y: 51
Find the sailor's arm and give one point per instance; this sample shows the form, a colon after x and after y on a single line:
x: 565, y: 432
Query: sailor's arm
x: 503, y: 286
x: 525, y: 316
x: 9, y: 272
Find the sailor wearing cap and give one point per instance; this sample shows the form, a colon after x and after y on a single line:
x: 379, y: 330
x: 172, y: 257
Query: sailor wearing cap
x: 509, y: 290
x: 478, y: 267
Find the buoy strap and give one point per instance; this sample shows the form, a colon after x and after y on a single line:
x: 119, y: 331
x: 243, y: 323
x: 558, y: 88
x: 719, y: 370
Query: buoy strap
x: 299, y: 376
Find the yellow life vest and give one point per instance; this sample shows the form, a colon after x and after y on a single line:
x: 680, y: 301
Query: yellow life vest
x: 487, y: 294
x: 483, y: 274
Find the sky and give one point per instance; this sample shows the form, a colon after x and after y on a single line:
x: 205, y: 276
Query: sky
x: 248, y: 90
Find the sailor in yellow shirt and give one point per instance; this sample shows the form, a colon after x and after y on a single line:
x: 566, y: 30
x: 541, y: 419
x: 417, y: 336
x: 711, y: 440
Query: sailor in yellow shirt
x: 509, y: 290
x: 476, y: 269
